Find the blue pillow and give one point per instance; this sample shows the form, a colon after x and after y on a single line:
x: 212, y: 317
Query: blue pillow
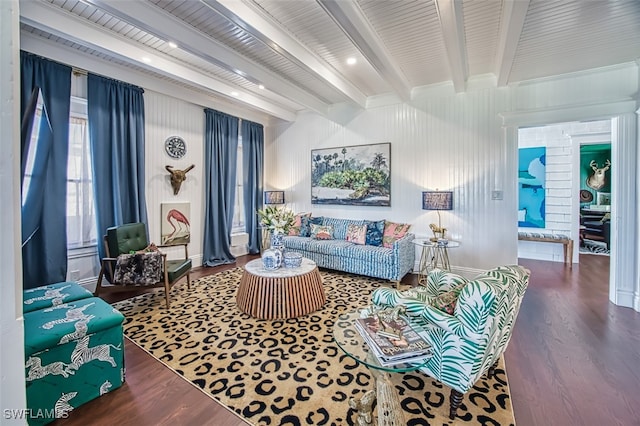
x: 375, y: 230
x: 305, y: 225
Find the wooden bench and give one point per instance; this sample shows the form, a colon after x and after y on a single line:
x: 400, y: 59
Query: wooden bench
x: 551, y: 238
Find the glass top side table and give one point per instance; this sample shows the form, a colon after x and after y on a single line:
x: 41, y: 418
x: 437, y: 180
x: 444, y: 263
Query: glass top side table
x: 434, y: 255
x: 351, y: 342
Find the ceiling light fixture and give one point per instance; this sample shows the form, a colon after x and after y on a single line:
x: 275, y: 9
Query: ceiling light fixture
x: 236, y: 94
x: 351, y: 61
x: 261, y: 86
x: 172, y: 45
x: 146, y: 59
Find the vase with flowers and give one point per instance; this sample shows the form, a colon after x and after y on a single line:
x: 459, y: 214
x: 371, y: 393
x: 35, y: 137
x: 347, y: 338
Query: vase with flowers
x: 278, y: 221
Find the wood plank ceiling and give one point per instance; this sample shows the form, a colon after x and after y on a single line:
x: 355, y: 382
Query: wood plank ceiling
x: 280, y: 57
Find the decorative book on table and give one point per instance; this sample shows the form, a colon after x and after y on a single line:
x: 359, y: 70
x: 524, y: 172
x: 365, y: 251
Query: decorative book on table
x: 411, y: 346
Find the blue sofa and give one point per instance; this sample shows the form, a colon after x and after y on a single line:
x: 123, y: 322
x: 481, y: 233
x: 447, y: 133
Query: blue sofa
x: 363, y: 259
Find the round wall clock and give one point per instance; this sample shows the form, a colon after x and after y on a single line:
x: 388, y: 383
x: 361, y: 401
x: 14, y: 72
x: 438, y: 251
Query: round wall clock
x: 175, y: 146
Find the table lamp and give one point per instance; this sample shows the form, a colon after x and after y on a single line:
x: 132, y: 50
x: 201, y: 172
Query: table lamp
x: 437, y: 200
x: 274, y: 197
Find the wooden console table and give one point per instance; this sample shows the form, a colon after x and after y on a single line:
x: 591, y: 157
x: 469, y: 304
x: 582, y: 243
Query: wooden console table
x: 280, y: 293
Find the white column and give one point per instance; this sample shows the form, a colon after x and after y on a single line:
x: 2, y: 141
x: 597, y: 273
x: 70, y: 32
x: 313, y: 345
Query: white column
x: 12, y: 381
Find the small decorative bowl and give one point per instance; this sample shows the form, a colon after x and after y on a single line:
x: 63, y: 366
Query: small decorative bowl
x: 292, y: 259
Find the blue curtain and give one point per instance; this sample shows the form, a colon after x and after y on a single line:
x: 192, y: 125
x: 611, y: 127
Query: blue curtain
x: 44, y: 211
x: 253, y: 166
x: 116, y: 136
x: 221, y: 155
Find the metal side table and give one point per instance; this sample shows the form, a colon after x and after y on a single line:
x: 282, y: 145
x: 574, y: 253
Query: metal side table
x: 434, y: 256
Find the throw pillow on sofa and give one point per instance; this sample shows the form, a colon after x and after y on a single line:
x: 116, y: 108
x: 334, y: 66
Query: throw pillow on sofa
x: 393, y: 232
x: 297, y: 224
x: 305, y: 226
x: 357, y: 234
x: 375, y: 231
x: 321, y: 232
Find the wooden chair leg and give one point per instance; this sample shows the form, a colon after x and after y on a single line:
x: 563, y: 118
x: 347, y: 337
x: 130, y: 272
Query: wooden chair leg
x: 99, y: 283
x: 492, y: 370
x: 189, y: 280
x: 167, y: 289
x: 454, y: 399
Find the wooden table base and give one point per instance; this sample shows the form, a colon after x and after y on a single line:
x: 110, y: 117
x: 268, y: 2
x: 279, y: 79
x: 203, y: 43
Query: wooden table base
x: 280, y: 297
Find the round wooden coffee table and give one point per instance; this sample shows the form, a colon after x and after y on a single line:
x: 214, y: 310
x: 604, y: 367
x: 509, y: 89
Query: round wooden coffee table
x: 280, y: 293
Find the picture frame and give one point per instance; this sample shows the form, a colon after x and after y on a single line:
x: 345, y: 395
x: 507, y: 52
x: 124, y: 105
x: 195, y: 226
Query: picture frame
x: 358, y: 175
x: 175, y: 226
x: 532, y: 187
x: 603, y: 198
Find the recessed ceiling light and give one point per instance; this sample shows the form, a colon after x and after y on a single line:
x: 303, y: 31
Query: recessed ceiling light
x: 235, y: 94
x: 172, y: 45
x: 351, y: 61
x: 146, y: 59
x: 261, y: 86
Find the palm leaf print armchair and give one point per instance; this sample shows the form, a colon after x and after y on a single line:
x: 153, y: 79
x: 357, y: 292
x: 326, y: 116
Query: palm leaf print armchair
x: 468, y: 323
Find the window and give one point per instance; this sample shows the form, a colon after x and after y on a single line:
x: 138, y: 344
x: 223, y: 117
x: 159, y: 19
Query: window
x: 81, y: 224
x: 238, y: 225
x: 81, y: 221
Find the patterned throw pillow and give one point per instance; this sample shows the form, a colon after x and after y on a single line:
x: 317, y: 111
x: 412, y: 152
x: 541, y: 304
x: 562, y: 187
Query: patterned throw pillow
x: 340, y: 226
x: 357, y: 234
x: 297, y: 225
x: 375, y: 230
x: 446, y: 302
x: 321, y: 232
x: 393, y: 232
x: 306, y: 221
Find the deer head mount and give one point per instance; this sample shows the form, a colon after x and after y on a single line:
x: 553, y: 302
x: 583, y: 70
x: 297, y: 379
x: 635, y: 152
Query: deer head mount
x: 598, y: 179
x: 177, y: 177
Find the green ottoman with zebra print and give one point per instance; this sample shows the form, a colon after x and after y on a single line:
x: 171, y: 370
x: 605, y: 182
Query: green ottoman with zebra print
x: 74, y: 352
x: 50, y: 295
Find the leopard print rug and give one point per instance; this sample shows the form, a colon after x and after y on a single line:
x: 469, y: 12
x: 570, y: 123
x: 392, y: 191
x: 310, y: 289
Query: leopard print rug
x: 288, y: 372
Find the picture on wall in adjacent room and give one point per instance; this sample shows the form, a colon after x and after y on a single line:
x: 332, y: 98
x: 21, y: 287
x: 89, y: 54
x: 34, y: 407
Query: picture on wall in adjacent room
x: 175, y: 227
x: 352, y: 175
x: 531, y: 187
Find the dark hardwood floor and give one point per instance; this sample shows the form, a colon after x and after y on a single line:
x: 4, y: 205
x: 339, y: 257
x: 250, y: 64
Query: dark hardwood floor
x: 574, y: 359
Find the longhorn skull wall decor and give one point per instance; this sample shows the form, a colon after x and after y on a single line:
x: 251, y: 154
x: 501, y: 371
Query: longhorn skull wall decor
x: 177, y: 177
x: 598, y: 179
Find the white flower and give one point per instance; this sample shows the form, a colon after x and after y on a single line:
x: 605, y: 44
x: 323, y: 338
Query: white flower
x: 276, y: 219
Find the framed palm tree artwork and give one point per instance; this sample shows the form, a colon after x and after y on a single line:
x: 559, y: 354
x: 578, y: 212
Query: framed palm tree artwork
x: 357, y: 175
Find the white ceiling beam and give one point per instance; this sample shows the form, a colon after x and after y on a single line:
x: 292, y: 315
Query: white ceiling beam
x: 284, y: 44
x: 452, y: 25
x: 163, y: 25
x: 65, y: 25
x: 351, y: 20
x: 93, y: 64
x: 511, y: 24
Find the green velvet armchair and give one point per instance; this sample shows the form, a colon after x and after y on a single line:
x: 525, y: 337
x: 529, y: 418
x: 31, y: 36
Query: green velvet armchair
x: 132, y: 263
x: 468, y: 323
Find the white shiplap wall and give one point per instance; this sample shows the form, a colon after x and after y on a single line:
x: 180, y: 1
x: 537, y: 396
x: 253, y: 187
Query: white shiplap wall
x: 451, y: 143
x: 166, y: 116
